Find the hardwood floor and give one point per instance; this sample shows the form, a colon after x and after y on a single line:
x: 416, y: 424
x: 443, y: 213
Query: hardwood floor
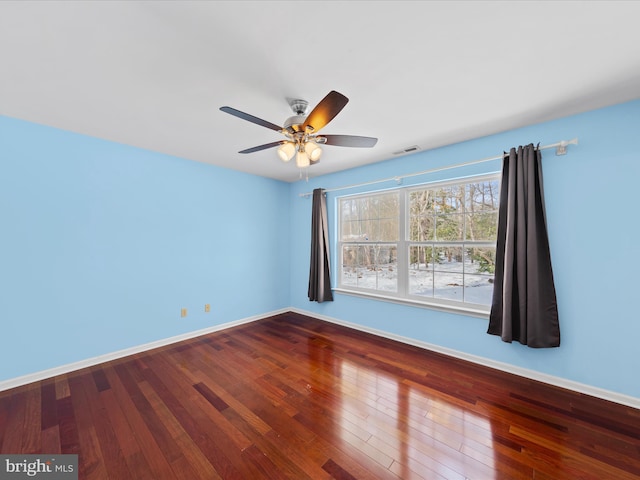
x: 294, y: 397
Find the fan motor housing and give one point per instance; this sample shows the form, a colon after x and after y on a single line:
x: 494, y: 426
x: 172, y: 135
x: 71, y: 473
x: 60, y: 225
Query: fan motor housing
x: 294, y: 123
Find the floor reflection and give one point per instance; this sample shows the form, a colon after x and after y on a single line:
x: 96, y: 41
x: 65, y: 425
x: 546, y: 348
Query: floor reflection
x: 405, y: 422
x: 409, y: 428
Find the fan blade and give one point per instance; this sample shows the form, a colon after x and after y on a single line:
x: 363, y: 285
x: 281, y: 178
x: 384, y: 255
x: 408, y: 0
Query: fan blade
x: 262, y: 147
x: 350, y: 141
x: 326, y: 110
x: 251, y: 118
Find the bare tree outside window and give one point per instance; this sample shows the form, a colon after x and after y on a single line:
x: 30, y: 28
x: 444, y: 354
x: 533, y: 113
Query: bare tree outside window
x: 434, y: 243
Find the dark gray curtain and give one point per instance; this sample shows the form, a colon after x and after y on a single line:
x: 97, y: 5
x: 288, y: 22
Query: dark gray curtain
x: 319, y: 278
x: 524, y: 306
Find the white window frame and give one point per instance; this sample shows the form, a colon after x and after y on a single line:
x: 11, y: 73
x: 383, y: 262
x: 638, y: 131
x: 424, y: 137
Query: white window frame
x: 403, y: 245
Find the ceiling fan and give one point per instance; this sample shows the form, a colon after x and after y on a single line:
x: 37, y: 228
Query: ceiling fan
x: 301, y: 130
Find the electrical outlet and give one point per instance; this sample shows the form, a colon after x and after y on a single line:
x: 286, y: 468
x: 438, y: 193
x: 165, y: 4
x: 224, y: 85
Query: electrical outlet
x: 207, y: 308
x: 183, y: 312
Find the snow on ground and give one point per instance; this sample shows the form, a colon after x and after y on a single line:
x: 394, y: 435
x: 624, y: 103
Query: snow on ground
x: 451, y: 280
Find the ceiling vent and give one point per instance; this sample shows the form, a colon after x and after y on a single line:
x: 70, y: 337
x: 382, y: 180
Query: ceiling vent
x: 411, y: 149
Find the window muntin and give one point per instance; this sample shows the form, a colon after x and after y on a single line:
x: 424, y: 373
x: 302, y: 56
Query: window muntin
x: 433, y: 244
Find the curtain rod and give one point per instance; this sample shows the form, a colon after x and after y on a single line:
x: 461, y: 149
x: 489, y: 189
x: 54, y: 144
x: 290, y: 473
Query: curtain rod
x: 561, y: 149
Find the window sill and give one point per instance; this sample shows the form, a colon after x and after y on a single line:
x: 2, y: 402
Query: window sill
x: 470, y: 311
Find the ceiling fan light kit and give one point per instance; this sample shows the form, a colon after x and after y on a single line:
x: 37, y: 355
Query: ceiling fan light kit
x: 286, y: 151
x: 302, y: 160
x: 313, y: 151
x: 301, y: 130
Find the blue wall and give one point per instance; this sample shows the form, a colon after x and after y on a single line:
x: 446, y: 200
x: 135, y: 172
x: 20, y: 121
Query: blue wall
x: 102, y: 245
x: 592, y: 214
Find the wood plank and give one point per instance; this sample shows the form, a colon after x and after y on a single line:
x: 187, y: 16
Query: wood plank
x: 48, y: 415
x: 50, y: 440
x: 32, y: 427
x: 73, y: 435
x: 90, y: 410
x: 126, y: 437
x: 62, y: 387
x: 14, y: 421
x: 189, y: 462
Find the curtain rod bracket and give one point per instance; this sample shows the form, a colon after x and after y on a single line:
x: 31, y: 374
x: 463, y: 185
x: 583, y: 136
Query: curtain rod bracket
x: 561, y: 149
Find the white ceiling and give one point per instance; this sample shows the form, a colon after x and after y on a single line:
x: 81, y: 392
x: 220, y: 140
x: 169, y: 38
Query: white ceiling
x: 428, y: 73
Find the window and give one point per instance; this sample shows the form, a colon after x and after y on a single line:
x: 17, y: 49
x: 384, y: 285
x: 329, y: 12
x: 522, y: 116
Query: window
x: 432, y: 244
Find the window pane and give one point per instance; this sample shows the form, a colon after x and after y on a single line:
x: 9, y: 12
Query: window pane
x: 421, y: 202
x: 387, y: 268
x: 448, y: 285
x: 389, y: 230
x: 482, y: 226
x: 348, y: 210
x: 349, y: 266
x: 421, y: 257
x: 421, y: 219
x: 478, y: 289
x: 370, y: 230
x: 371, y: 219
x: 448, y: 259
x: 421, y: 271
x: 421, y: 283
x: 480, y: 260
x: 388, y: 205
x: 450, y: 199
x: 422, y: 228
x: 365, y: 270
x: 449, y: 227
x: 367, y: 277
x: 388, y: 209
x: 365, y: 209
x: 372, y: 266
x: 448, y: 279
x: 482, y: 196
x: 351, y: 231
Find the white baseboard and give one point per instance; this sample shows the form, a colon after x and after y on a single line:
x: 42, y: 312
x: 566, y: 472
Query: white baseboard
x: 71, y: 367
x: 505, y: 367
